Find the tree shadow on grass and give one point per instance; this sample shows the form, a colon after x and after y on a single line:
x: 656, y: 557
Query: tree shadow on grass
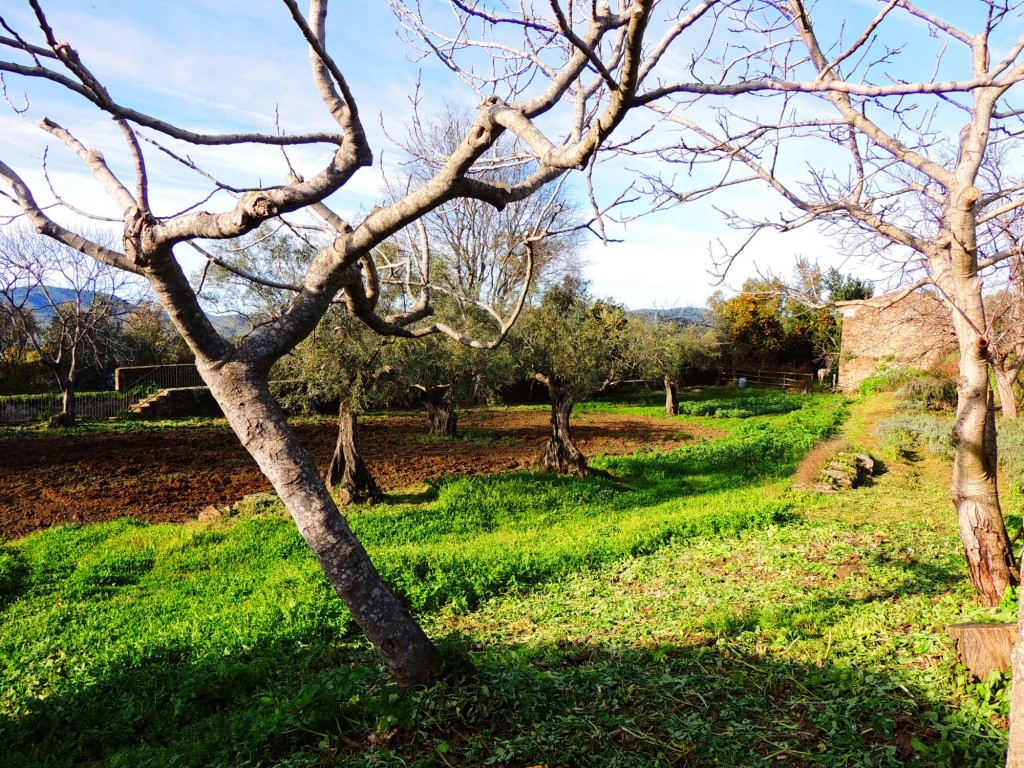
x: 724, y: 693
x: 580, y: 702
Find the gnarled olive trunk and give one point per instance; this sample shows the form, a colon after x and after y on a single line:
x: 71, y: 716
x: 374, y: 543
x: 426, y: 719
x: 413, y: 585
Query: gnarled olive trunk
x: 347, y: 470
x: 261, y: 427
x: 439, y: 403
x: 671, y: 397
x: 561, y: 455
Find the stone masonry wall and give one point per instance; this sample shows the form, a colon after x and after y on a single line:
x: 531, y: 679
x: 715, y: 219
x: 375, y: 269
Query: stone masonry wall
x: 915, y: 331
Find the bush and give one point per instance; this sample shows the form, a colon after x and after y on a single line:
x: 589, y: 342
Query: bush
x: 932, y: 393
x: 1011, y: 457
x: 889, y: 381
x: 903, y: 434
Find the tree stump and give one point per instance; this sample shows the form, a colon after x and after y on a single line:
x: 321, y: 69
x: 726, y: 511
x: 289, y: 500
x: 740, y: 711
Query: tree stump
x: 984, y: 647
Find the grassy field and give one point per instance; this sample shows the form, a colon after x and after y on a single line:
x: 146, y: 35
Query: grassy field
x: 694, y: 610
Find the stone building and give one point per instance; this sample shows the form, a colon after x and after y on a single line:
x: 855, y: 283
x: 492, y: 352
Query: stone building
x: 914, y: 332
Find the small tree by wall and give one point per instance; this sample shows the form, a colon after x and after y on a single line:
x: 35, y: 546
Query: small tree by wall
x: 666, y: 351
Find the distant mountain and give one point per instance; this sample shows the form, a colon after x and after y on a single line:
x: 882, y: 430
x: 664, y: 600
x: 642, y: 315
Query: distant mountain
x: 41, y: 306
x: 677, y: 315
x: 230, y: 324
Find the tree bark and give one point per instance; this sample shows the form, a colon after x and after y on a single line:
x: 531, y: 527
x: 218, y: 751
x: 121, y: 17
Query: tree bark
x: 263, y: 430
x: 973, y: 488
x: 1005, y: 382
x: 1015, y: 753
x: 440, y: 406
x: 68, y: 411
x: 561, y: 455
x: 671, y: 397
x: 347, y: 470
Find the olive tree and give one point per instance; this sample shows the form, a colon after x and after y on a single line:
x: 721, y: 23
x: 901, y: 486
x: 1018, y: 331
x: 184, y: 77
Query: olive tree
x: 342, y: 361
x: 575, y: 346
x: 666, y: 349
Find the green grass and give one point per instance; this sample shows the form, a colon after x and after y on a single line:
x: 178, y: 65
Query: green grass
x: 692, y: 611
x: 470, y: 437
x: 107, y: 426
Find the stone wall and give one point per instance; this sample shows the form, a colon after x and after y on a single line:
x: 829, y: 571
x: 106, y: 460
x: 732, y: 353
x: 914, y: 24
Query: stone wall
x: 915, y: 332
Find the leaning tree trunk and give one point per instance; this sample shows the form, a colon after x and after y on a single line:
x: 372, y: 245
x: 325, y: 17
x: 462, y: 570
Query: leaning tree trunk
x: 1006, y: 380
x: 264, y: 432
x: 671, y: 397
x: 440, y: 406
x: 347, y: 470
x: 561, y: 455
x: 974, y: 490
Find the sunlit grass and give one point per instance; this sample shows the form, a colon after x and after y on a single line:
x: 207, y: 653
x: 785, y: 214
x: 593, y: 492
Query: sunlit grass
x: 690, y: 610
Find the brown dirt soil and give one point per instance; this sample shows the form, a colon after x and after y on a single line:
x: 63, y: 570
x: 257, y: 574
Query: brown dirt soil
x: 169, y: 475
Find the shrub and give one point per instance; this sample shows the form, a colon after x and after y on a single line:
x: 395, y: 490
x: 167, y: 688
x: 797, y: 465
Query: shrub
x: 933, y: 393
x: 756, y: 404
x: 889, y: 381
x: 1011, y: 456
x: 903, y: 434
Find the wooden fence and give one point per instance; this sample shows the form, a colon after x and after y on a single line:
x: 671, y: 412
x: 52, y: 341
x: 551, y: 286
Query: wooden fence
x: 771, y: 379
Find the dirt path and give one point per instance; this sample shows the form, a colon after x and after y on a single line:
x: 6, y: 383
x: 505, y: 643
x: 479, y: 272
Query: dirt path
x: 168, y: 475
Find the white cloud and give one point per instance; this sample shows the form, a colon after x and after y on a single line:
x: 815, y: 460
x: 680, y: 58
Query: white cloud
x: 665, y: 264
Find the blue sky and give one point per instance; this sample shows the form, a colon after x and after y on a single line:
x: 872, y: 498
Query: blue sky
x: 232, y: 65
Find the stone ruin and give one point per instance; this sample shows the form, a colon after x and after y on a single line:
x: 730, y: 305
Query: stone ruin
x: 915, y: 332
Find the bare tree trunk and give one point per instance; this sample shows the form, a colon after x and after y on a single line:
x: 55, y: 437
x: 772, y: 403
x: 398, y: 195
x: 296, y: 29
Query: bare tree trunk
x: 68, y: 406
x: 68, y: 411
x: 347, y: 470
x: 263, y: 430
x: 974, y: 490
x: 440, y: 406
x: 1015, y: 753
x: 671, y: 397
x: 561, y: 455
x: 1006, y: 380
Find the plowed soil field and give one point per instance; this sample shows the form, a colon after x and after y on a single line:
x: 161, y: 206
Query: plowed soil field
x: 169, y: 475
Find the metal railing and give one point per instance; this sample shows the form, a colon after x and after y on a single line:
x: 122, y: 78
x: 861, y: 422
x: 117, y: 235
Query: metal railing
x: 157, y: 377
x: 20, y: 409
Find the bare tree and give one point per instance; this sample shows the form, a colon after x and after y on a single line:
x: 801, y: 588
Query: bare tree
x: 478, y: 251
x: 66, y: 305
x: 900, y: 177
